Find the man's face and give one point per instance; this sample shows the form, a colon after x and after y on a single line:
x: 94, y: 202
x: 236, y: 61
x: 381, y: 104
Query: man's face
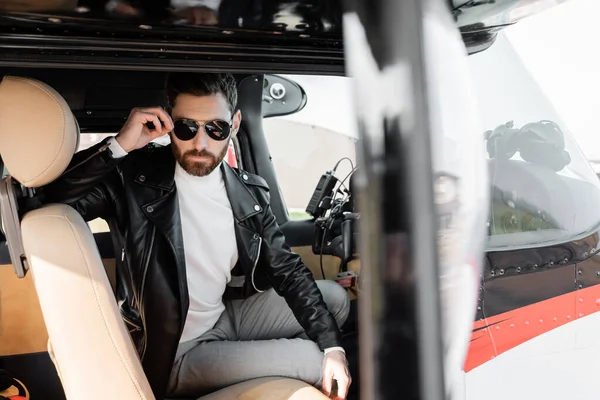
x: 202, y: 154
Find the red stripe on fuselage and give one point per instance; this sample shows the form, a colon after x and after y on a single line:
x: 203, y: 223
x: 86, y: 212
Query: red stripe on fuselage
x: 500, y: 333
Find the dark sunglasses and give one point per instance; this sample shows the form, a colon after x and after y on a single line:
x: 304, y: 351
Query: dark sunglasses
x: 186, y: 129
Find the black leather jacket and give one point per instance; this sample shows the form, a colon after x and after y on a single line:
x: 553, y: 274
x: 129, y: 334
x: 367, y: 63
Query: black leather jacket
x: 136, y: 194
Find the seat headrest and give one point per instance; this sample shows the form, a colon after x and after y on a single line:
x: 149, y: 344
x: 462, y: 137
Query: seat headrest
x: 38, y: 131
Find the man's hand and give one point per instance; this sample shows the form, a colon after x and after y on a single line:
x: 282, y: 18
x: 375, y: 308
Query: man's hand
x: 135, y: 134
x: 335, y: 367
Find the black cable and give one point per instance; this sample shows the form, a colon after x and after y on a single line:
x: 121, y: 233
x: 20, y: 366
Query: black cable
x: 342, y: 159
x: 349, y: 174
x: 344, y: 180
x: 341, y: 183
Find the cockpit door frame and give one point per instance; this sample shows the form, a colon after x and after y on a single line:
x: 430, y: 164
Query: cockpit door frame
x: 400, y: 324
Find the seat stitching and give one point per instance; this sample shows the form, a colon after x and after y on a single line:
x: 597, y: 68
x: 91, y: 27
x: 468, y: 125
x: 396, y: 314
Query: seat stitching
x: 126, y: 364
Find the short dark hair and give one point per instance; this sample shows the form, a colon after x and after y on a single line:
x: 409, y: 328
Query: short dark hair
x: 201, y: 84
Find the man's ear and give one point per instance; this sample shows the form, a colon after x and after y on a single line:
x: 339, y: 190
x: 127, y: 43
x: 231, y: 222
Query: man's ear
x: 237, y: 122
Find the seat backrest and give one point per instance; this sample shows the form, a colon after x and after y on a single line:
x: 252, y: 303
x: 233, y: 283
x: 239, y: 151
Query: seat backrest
x: 90, y: 344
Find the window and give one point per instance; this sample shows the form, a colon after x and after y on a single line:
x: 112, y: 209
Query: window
x: 541, y: 194
x: 306, y: 144
x: 87, y: 140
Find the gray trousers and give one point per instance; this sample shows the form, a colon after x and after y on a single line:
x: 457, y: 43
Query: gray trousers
x: 254, y: 337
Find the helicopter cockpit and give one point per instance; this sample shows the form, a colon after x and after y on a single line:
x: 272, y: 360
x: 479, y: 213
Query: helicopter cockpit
x: 543, y: 191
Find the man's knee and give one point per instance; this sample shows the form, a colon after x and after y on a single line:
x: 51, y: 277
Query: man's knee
x: 336, y: 298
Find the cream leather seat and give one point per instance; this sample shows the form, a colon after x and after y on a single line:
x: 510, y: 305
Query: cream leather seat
x: 89, y: 342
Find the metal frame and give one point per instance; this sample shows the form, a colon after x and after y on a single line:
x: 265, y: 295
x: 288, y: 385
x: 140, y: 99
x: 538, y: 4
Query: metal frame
x: 12, y: 226
x: 400, y: 325
x: 258, y: 158
x: 30, y: 40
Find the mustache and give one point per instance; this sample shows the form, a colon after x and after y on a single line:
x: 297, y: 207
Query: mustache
x: 201, y: 153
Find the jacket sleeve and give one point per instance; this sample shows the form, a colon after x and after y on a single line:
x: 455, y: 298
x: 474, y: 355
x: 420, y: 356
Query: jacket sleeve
x: 292, y: 280
x: 88, y: 184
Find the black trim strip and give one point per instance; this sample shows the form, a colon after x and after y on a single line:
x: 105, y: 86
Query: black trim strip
x: 519, y: 278
x: 489, y: 325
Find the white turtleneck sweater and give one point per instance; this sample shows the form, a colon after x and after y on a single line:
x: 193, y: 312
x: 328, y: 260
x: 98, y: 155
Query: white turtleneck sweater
x: 211, y: 250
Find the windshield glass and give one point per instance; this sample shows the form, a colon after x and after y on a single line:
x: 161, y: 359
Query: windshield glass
x: 543, y: 188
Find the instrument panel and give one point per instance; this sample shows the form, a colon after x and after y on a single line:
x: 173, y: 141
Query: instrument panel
x: 505, y: 219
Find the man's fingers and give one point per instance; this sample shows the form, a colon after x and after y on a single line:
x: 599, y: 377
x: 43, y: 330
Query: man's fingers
x: 158, y: 128
x: 327, y: 381
x: 343, y: 379
x: 343, y: 383
x: 165, y: 118
x: 160, y: 113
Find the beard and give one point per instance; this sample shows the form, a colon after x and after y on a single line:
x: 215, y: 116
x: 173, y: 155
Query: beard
x: 198, y: 168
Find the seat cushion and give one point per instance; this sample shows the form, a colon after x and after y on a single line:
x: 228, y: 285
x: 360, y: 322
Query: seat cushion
x: 274, y: 388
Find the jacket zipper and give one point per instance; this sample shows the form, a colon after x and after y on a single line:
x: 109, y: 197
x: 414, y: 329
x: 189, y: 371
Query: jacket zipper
x: 141, y: 299
x: 254, y: 267
x: 100, y: 150
x: 133, y: 291
x: 131, y: 323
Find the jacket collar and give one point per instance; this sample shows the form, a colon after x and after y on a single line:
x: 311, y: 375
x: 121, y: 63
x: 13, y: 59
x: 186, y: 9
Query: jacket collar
x: 243, y: 202
x: 159, y: 169
x: 159, y: 173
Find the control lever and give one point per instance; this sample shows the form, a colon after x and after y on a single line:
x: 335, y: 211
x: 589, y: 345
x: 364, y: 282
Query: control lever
x: 348, y: 239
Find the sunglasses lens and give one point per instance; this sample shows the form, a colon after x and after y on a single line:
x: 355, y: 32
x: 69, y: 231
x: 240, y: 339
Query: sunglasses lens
x: 185, y: 129
x: 217, y: 129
